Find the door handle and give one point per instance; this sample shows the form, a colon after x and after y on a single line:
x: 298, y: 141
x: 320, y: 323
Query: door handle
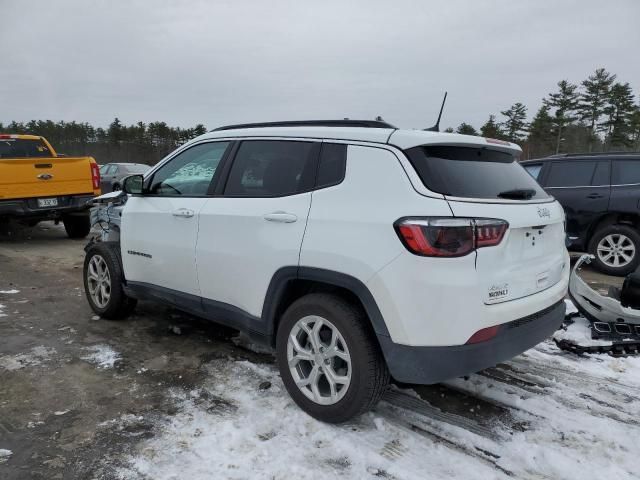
x: 594, y: 195
x: 282, y: 217
x: 183, y: 212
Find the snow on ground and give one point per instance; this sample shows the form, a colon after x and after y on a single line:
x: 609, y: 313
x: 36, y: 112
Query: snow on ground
x: 7, y: 292
x: 569, y: 417
x: 34, y: 357
x: 10, y: 292
x: 579, y: 332
x: 231, y: 429
x: 102, y: 355
x: 4, y: 455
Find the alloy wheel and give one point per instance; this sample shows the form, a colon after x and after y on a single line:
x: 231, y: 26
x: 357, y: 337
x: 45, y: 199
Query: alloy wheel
x: 319, y: 360
x: 616, y: 250
x: 99, y: 281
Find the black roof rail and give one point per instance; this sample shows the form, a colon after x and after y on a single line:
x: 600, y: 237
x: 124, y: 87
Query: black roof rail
x: 591, y: 154
x: 311, y: 123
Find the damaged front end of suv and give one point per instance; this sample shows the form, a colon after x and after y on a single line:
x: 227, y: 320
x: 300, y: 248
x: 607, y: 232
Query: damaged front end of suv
x: 106, y: 214
x: 604, y: 323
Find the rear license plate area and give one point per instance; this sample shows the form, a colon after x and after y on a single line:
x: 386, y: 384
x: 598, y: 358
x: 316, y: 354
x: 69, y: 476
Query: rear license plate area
x: 47, y: 202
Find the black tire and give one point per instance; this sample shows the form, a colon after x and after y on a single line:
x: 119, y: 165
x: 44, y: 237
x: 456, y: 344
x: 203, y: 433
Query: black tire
x: 119, y: 305
x: 369, y: 373
x: 77, y: 226
x: 616, y: 229
x: 116, y: 187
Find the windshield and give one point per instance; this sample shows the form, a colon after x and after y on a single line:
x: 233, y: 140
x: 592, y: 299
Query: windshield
x: 137, y: 168
x: 473, y: 173
x: 23, y: 148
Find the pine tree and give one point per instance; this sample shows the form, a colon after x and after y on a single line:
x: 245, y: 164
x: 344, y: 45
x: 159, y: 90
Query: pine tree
x: 491, y: 129
x: 466, y: 129
x: 541, y: 139
x: 115, y: 131
x: 618, y: 112
x: 565, y: 103
x: 198, y: 130
x: 515, y: 127
x: 635, y: 128
x: 593, y: 100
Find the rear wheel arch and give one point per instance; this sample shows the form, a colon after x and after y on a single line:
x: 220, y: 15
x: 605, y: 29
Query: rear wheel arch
x: 291, y: 283
x: 614, y: 218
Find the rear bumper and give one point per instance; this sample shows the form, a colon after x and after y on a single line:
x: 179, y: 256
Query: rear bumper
x: 427, y: 365
x: 28, y: 207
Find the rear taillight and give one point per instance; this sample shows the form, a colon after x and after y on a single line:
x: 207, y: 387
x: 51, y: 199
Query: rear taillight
x: 95, y: 175
x: 449, y: 237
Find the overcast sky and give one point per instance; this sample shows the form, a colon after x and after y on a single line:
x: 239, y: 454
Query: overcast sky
x: 220, y: 62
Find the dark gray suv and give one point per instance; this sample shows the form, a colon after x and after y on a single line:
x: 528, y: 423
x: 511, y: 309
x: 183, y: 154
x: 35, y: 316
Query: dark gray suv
x: 600, y: 194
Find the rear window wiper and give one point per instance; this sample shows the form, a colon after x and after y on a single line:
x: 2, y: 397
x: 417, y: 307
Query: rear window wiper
x: 518, y: 194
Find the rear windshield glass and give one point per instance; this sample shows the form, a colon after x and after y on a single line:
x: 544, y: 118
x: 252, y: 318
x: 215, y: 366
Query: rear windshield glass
x: 22, y: 148
x: 473, y: 173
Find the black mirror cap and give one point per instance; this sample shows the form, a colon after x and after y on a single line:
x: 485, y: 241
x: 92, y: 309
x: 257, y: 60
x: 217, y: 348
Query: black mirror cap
x: 133, y: 184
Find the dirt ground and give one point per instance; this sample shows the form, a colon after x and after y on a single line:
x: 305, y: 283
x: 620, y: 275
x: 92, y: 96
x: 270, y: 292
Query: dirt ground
x: 57, y: 420
x: 64, y: 419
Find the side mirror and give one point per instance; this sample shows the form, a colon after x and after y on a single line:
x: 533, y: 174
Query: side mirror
x: 133, y: 184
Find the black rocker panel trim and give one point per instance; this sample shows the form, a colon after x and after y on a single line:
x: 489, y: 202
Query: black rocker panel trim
x: 218, y: 312
x: 261, y: 329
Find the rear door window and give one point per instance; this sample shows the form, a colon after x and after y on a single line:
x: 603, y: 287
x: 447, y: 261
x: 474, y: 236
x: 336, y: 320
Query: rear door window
x: 473, y: 173
x: 570, y: 174
x: 626, y: 171
x: 272, y: 168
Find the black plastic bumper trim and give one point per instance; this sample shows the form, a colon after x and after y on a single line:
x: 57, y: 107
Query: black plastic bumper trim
x: 428, y: 365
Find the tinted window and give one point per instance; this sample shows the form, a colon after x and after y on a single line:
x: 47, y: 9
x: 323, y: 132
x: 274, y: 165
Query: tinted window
x: 601, y: 175
x: 190, y: 172
x: 473, y: 173
x: 626, y: 171
x: 114, y: 170
x: 570, y: 174
x: 22, y: 148
x: 272, y: 169
x: 533, y: 170
x: 333, y: 163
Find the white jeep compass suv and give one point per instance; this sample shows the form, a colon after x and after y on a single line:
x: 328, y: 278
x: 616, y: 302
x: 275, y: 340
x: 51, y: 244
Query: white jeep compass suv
x: 359, y: 251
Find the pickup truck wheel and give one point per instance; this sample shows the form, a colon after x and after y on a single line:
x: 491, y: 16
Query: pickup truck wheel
x: 77, y: 226
x: 617, y: 249
x: 329, y: 360
x: 103, y: 282
x: 116, y: 187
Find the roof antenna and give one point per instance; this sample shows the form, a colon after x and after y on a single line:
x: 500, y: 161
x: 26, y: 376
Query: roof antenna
x: 436, y: 127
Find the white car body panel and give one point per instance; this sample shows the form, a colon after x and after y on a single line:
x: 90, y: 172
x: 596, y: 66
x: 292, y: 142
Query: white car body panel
x: 149, y: 227
x: 240, y: 249
x: 349, y: 233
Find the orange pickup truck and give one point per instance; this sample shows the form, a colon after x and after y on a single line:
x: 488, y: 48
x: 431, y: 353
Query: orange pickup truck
x: 38, y: 184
